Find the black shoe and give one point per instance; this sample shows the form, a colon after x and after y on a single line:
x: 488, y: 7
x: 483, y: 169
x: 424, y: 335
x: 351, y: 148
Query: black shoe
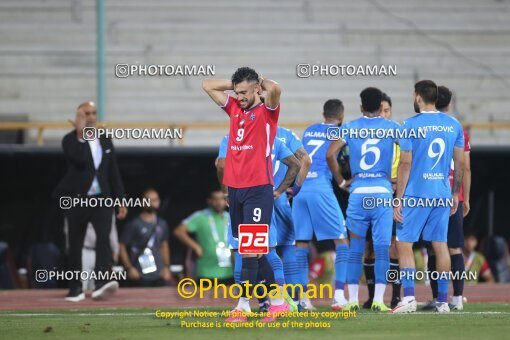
x: 368, y: 304
x: 394, y: 301
x: 430, y: 305
x: 75, y: 295
x: 105, y: 290
x: 264, y: 307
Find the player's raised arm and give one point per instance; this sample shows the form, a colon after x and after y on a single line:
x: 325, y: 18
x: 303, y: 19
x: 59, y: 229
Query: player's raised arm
x: 404, y: 169
x: 216, y: 88
x: 331, y: 157
x: 273, y: 92
x: 458, y: 171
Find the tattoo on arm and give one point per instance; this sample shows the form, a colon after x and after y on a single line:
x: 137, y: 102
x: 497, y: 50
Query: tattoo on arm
x: 292, y: 170
x: 457, y: 181
x: 304, y: 161
x: 458, y: 171
x: 300, y: 153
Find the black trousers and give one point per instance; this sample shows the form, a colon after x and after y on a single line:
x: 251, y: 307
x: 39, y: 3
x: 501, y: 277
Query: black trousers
x: 77, y: 220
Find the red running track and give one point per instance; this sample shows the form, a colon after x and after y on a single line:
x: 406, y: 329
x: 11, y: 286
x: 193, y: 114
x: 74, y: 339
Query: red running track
x: 167, y: 297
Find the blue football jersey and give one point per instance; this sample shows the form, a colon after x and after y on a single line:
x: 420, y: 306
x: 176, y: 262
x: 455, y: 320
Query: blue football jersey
x: 316, y: 143
x: 432, y: 153
x: 370, y: 141
x: 293, y: 143
x: 289, y: 138
x: 279, y: 153
x: 222, y: 153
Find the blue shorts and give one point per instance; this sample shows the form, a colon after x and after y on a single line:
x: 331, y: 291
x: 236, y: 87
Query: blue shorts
x: 319, y: 213
x: 253, y: 205
x: 282, y: 222
x: 430, y: 222
x: 233, y: 243
x: 380, y: 218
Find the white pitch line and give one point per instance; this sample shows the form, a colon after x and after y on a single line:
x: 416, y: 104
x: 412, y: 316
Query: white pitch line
x: 149, y: 314
x: 433, y: 313
x: 75, y: 314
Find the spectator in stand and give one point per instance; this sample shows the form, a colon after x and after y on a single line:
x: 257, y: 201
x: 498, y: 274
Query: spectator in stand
x: 475, y: 262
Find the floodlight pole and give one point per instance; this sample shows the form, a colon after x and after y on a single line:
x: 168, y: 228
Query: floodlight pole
x: 100, y: 59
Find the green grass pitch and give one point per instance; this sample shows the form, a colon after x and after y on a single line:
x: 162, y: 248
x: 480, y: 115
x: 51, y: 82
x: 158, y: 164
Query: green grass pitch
x: 477, y: 321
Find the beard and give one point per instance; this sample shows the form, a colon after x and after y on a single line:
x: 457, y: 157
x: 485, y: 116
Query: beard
x: 416, y: 107
x: 250, y: 103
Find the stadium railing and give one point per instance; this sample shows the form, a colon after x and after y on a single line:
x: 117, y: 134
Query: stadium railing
x: 41, y: 127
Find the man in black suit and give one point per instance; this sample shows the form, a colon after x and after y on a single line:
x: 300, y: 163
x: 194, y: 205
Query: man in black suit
x: 92, y: 172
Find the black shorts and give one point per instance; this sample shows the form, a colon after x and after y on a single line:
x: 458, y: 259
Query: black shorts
x: 253, y: 205
x: 456, y: 229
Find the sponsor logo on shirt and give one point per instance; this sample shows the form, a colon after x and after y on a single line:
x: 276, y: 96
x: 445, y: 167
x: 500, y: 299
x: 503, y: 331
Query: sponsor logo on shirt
x: 312, y: 174
x: 433, y: 176
x: 314, y: 134
x: 241, y: 147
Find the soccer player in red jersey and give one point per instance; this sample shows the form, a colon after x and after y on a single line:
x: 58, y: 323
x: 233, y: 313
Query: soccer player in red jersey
x: 248, y: 169
x: 455, y: 224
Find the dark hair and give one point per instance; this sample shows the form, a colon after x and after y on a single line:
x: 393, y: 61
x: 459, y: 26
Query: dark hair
x: 386, y: 98
x: 427, y: 90
x: 244, y: 74
x: 371, y: 99
x: 444, y: 96
x: 333, y: 108
x: 147, y: 190
x: 214, y: 191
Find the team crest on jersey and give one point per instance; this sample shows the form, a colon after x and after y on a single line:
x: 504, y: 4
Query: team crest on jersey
x: 252, y: 116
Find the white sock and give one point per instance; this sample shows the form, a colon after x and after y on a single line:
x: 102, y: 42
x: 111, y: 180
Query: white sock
x: 456, y: 300
x: 339, y: 295
x: 379, y: 292
x: 407, y: 299
x: 244, y: 304
x: 353, y: 292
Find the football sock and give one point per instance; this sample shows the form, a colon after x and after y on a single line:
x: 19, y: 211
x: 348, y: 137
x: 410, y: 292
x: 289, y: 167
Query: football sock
x: 354, y: 267
x: 368, y: 267
x: 382, y: 265
x: 457, y: 261
x: 342, y: 253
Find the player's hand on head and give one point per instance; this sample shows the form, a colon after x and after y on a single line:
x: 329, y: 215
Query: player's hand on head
x: 465, y: 208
